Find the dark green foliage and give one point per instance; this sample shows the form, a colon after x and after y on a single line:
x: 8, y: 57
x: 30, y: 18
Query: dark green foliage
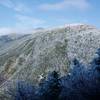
x: 50, y: 89
x: 83, y: 83
x: 23, y: 91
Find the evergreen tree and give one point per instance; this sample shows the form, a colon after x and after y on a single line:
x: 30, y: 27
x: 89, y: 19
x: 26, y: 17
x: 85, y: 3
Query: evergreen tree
x: 50, y: 89
x: 93, y: 78
x: 22, y: 91
x: 73, y: 83
x: 83, y: 83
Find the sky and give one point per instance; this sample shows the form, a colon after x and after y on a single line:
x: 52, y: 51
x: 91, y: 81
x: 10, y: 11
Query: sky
x: 25, y: 15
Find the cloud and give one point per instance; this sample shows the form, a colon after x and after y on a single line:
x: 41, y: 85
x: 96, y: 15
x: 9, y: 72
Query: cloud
x: 24, y: 24
x: 27, y: 21
x: 10, y: 30
x: 66, y: 4
x: 6, y: 30
x: 16, y: 6
x: 6, y: 3
x: 21, y: 8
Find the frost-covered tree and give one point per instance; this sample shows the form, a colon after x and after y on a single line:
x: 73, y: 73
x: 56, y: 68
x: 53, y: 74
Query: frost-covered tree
x: 93, y: 78
x: 83, y: 82
x: 22, y: 91
x: 50, y: 88
x: 72, y: 83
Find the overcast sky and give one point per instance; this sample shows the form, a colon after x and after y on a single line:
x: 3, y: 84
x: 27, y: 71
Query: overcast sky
x: 25, y: 15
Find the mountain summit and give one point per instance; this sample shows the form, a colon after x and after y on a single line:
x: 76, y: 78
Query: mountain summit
x: 32, y: 56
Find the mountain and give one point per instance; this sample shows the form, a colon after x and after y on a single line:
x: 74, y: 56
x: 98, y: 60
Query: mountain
x: 31, y: 56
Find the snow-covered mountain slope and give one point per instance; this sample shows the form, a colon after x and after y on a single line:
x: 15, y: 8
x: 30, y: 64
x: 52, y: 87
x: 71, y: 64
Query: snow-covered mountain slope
x: 30, y: 57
